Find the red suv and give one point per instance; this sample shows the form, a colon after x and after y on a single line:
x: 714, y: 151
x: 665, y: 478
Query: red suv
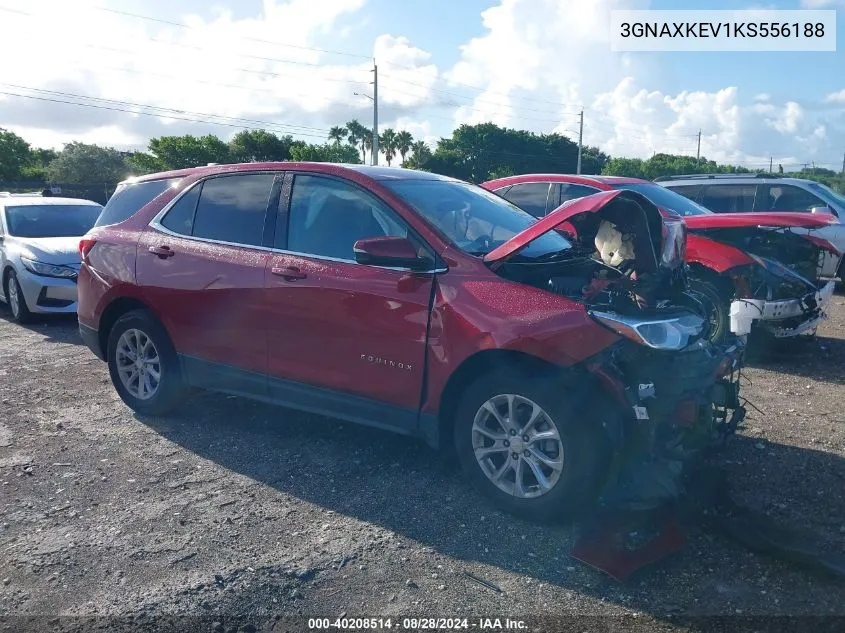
x: 415, y: 303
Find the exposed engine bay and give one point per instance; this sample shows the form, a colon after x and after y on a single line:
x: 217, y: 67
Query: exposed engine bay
x: 623, y: 259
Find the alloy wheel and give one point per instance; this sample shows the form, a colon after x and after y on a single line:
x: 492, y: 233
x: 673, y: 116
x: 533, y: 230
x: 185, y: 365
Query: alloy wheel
x: 14, y: 298
x: 517, y: 446
x: 138, y: 364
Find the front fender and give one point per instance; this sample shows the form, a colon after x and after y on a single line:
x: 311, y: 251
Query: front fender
x: 714, y: 255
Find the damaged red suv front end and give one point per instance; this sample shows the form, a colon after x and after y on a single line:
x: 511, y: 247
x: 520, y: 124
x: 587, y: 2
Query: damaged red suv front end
x: 673, y: 391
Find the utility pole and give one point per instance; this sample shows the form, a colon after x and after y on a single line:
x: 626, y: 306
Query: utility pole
x: 770, y: 164
x: 698, y: 151
x: 580, y: 142
x: 375, y: 114
x: 843, y: 164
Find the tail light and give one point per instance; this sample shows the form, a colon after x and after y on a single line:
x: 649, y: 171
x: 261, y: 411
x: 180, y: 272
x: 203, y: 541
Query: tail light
x: 85, y: 246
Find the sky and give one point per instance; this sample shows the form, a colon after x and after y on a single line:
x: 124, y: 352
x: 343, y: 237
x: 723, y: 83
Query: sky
x: 147, y: 68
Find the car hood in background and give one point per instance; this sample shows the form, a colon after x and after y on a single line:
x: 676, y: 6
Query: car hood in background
x: 773, y: 219
x: 61, y: 251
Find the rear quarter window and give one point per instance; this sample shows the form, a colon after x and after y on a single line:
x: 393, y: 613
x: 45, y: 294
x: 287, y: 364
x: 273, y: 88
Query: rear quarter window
x: 130, y: 198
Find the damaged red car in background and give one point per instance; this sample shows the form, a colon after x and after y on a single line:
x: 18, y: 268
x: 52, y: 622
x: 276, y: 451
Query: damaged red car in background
x: 423, y: 305
x: 766, y: 270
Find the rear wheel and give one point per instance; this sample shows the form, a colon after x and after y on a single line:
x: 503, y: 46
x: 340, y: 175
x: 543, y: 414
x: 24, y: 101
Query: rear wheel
x: 143, y: 364
x: 524, y: 447
x: 718, y: 308
x: 17, y: 301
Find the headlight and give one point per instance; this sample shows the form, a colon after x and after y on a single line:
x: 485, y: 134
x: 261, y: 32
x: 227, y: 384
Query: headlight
x: 673, y: 333
x: 48, y: 270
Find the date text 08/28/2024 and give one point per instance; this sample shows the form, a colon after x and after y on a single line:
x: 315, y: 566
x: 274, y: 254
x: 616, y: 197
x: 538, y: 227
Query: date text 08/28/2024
x: 416, y: 624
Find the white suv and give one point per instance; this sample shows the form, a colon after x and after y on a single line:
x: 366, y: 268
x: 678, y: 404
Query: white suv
x: 750, y: 193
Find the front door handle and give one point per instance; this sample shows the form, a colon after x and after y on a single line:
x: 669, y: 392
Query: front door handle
x: 290, y: 273
x: 163, y: 252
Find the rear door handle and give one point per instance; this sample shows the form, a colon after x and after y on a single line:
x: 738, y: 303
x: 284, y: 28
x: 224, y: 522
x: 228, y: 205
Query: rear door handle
x: 291, y: 273
x: 163, y: 252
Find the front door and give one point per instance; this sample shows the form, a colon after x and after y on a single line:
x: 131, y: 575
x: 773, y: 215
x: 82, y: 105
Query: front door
x: 356, y: 332
x: 200, y: 268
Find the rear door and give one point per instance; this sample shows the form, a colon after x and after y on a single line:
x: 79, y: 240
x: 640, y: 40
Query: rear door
x: 728, y: 198
x: 200, y: 266
x: 782, y: 197
x: 532, y: 197
x: 357, y: 332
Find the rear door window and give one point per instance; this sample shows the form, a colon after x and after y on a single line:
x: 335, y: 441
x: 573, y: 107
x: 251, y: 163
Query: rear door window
x: 572, y: 192
x: 691, y: 192
x: 530, y: 196
x: 786, y: 198
x: 233, y: 208
x: 129, y: 198
x: 728, y: 198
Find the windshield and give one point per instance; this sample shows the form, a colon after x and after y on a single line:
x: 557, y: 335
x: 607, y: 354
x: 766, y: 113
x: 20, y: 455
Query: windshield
x: 666, y: 198
x: 51, y: 220
x: 827, y: 193
x: 474, y: 219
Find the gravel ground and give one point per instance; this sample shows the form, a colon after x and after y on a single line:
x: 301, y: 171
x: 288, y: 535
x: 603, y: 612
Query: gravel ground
x: 241, y: 512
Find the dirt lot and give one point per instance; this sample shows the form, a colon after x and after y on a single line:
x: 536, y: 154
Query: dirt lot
x: 241, y: 512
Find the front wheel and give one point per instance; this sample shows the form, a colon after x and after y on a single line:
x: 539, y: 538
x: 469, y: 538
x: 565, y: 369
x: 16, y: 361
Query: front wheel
x: 525, y: 448
x: 16, y: 299
x: 718, y: 308
x: 143, y: 364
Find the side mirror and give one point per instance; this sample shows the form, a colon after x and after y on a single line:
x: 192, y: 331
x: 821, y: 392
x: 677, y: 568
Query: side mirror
x: 824, y: 209
x: 393, y: 252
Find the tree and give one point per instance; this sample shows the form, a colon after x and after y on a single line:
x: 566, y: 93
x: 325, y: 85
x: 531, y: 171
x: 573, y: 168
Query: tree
x: 327, y: 153
x: 36, y: 168
x: 80, y: 163
x: 420, y: 156
x: 358, y: 133
x: 337, y: 134
x: 179, y: 152
x: 387, y: 144
x: 404, y: 140
x: 250, y: 146
x: 15, y: 154
x: 630, y: 167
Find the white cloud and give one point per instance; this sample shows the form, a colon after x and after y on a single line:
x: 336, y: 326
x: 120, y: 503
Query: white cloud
x: 822, y: 4
x: 836, y: 97
x: 557, y: 54
x: 221, y: 66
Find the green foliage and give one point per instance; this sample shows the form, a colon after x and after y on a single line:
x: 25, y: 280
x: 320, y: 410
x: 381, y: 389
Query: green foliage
x: 387, y: 144
x: 420, y: 155
x: 328, y: 153
x: 404, y: 141
x: 80, y: 163
x: 180, y: 152
x: 667, y: 165
x: 249, y: 146
x: 359, y: 136
x: 14, y: 155
x: 337, y: 134
x: 476, y: 152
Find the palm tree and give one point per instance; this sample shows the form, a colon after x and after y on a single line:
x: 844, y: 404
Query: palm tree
x: 387, y: 144
x: 337, y: 134
x: 367, y: 143
x: 421, y: 152
x: 354, y: 132
x: 404, y: 140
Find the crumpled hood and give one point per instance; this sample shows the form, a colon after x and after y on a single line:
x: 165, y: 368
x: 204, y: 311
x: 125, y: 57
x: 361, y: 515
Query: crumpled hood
x: 61, y: 251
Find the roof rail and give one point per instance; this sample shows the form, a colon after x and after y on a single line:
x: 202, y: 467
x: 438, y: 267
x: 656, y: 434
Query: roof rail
x: 712, y: 176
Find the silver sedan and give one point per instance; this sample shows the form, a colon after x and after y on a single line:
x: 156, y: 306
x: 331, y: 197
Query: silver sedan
x: 39, y: 256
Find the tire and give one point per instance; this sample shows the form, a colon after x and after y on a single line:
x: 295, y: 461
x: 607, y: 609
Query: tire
x: 718, y: 306
x: 149, y: 397
x: 584, y: 463
x: 16, y: 300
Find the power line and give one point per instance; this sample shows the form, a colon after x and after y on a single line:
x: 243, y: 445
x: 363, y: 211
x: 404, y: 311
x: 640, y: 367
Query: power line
x: 162, y: 108
x: 157, y: 115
